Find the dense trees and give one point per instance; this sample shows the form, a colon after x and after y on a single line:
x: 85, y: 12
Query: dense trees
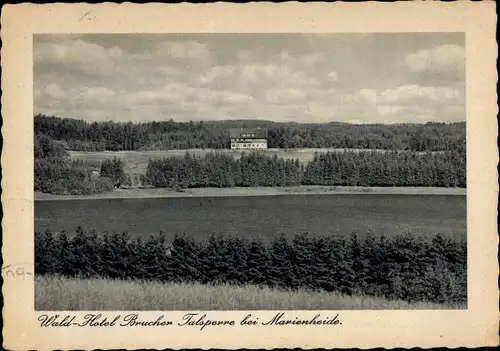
x: 417, y: 166
x: 348, y: 168
x: 446, y: 169
x: 98, y: 136
x: 113, y: 170
x: 400, y: 267
x: 55, y: 173
x: 222, y: 171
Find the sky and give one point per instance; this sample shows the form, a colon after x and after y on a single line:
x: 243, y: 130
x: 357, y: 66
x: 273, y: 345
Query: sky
x: 323, y: 77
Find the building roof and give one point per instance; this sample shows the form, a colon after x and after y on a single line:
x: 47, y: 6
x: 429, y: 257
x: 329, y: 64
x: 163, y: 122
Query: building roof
x: 248, y: 133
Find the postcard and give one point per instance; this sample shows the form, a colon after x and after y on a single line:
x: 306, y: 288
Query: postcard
x: 292, y: 175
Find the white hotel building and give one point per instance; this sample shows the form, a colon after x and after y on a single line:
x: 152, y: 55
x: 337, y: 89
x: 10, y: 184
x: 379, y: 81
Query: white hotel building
x: 248, y: 138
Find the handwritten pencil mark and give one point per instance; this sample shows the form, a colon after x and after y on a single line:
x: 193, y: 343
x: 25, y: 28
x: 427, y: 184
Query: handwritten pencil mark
x: 16, y: 270
x: 87, y: 16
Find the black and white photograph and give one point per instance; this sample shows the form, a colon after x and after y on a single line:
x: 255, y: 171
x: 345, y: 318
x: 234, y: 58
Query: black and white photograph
x: 250, y: 171
x: 249, y: 176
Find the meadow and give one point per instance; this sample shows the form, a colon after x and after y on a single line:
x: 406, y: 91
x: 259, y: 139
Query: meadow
x: 60, y: 293
x: 259, y: 217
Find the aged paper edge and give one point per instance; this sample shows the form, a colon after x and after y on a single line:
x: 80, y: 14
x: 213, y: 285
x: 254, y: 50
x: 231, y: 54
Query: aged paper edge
x: 476, y: 326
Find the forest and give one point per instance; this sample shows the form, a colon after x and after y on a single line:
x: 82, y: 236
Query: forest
x: 433, y: 154
x: 80, y: 135
x: 56, y: 173
x: 405, y: 266
x: 346, y: 168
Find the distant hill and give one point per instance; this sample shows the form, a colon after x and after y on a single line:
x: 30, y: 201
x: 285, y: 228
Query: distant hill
x: 80, y: 135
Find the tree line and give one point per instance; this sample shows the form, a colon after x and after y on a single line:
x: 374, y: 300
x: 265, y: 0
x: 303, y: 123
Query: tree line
x: 347, y: 168
x: 98, y: 136
x: 446, y: 169
x: 56, y: 173
x: 397, y: 267
x: 222, y: 170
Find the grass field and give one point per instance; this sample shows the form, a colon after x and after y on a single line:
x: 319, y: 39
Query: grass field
x: 137, y: 161
x: 56, y: 293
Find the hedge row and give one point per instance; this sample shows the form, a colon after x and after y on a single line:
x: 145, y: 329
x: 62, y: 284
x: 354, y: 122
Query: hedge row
x: 396, y: 267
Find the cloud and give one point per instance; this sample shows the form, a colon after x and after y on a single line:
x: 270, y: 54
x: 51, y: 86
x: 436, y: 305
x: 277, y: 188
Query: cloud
x: 218, y: 72
x: 333, y: 76
x: 78, y: 51
x: 287, y: 58
x: 454, y: 112
x: 253, y: 72
x: 386, y: 110
x: 246, y: 55
x: 54, y: 90
x: 448, y: 57
x: 294, y: 95
x: 406, y: 103
x: 168, y: 70
x: 276, y: 75
x: 223, y: 97
x: 168, y: 93
x: 184, y: 50
x: 311, y: 59
x: 389, y: 109
x: 59, y: 95
x: 411, y: 93
x: 320, y: 110
x: 413, y: 113
x: 99, y: 91
x: 364, y: 96
x: 80, y: 102
x: 169, y: 77
x: 287, y: 76
x: 281, y: 95
x: 261, y: 73
x: 404, y: 94
x: 81, y: 60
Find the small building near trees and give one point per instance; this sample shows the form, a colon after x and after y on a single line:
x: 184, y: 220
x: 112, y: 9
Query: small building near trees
x: 248, y: 138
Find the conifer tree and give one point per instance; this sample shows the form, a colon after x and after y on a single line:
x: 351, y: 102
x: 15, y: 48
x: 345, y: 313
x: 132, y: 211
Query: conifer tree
x: 45, y: 251
x: 185, y: 262
x: 65, y: 256
x: 213, y: 261
x: 258, y: 263
x: 237, y: 260
x: 303, y: 260
x: 281, y: 272
x: 324, y: 265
